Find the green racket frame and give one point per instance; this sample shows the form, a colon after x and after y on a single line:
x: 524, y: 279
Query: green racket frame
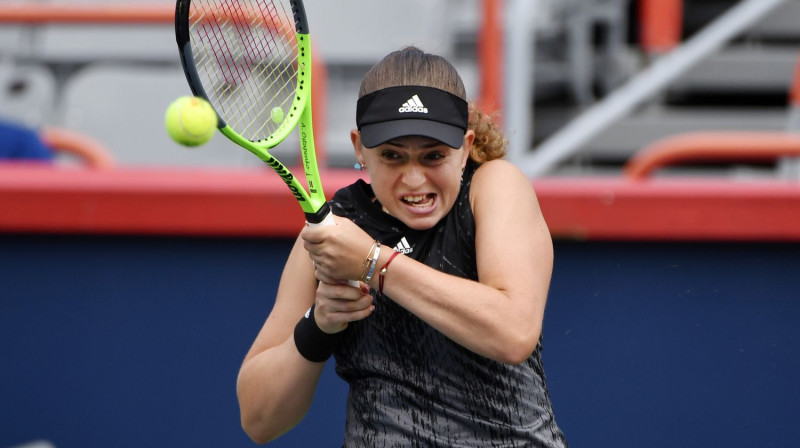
x: 312, y: 200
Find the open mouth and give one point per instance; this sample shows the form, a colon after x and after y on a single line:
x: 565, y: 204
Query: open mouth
x: 419, y: 200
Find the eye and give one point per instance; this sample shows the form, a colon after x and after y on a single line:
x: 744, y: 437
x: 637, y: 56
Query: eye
x: 390, y: 155
x: 434, y: 157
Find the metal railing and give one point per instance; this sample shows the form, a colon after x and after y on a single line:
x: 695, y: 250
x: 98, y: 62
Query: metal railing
x: 648, y: 83
x: 711, y: 147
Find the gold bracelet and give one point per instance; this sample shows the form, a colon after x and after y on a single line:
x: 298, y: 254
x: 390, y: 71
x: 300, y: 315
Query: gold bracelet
x: 373, y: 263
x: 366, y: 263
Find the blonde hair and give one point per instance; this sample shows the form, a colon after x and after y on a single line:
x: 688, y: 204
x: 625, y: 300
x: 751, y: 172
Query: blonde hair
x: 413, y: 67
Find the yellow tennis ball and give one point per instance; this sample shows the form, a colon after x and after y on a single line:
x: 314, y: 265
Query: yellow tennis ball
x: 276, y: 115
x: 191, y: 121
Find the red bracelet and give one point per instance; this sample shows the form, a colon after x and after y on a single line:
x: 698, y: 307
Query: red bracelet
x: 383, y: 271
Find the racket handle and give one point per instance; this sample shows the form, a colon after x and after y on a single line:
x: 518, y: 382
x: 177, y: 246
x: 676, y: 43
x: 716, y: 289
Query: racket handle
x: 328, y: 220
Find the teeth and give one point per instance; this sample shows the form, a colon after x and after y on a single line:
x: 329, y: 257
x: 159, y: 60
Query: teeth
x: 420, y: 200
x: 414, y: 199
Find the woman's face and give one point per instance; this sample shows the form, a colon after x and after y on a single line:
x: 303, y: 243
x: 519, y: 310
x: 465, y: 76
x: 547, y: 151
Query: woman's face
x: 416, y: 179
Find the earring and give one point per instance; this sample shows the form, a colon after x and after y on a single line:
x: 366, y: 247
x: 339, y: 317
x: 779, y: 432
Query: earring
x: 359, y: 166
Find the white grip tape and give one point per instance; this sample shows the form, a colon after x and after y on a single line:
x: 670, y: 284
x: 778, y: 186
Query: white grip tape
x: 326, y: 221
x: 329, y: 221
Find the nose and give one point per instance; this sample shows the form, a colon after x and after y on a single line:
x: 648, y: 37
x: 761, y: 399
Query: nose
x: 413, y: 175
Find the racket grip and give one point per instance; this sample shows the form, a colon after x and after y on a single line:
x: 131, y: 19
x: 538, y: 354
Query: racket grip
x: 328, y: 220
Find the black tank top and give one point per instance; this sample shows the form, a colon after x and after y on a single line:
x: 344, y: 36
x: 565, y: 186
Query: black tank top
x: 412, y: 386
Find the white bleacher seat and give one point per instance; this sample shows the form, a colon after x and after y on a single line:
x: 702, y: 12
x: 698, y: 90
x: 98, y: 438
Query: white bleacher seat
x: 88, y: 43
x: 11, y: 39
x: 361, y: 32
x: 27, y: 93
x: 123, y: 107
x: 68, y: 43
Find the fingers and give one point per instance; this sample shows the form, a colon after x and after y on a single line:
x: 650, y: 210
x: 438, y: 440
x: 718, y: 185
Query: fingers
x: 312, y: 235
x: 343, y: 296
x: 335, y: 313
x: 325, y: 262
x: 337, y: 250
x: 328, y: 270
x: 339, y: 304
x: 323, y: 277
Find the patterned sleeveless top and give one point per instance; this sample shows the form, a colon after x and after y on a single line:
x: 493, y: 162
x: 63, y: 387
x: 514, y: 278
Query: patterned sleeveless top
x: 411, y: 386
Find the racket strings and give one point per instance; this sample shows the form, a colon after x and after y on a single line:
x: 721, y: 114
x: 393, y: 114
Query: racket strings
x: 246, y: 55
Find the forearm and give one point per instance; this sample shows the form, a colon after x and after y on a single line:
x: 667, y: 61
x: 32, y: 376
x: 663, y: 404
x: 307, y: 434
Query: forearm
x: 275, y: 389
x: 499, y: 324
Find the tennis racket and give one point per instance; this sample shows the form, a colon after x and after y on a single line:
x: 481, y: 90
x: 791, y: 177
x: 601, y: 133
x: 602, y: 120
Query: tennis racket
x: 251, y: 59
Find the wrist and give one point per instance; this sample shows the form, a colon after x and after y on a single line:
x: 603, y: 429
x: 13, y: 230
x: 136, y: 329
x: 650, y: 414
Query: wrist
x: 384, y: 263
x: 368, y: 265
x: 314, y: 344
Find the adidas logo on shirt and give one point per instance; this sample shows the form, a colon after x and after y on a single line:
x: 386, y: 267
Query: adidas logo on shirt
x: 403, y: 247
x: 413, y: 105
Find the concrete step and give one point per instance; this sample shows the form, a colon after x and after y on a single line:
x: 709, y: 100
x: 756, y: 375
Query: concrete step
x: 616, y: 144
x: 742, y: 69
x: 780, y: 25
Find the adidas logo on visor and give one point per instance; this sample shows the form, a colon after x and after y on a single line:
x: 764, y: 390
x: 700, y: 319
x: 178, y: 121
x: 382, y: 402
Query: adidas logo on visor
x: 413, y: 105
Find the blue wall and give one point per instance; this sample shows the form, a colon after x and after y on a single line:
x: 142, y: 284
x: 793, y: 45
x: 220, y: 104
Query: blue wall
x: 131, y: 342
x: 136, y: 342
x: 675, y: 344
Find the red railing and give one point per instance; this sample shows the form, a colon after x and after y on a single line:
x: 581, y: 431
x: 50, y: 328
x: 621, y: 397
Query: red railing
x: 88, y: 150
x: 490, y: 57
x: 709, y: 147
x: 660, y: 25
x: 40, y: 13
x: 794, y: 91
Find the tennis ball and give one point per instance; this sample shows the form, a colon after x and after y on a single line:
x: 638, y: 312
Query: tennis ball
x: 190, y: 121
x: 277, y: 114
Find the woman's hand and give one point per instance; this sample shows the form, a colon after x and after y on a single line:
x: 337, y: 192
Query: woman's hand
x: 339, y: 304
x: 337, y: 251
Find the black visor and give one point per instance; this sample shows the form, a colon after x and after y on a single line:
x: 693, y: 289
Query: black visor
x: 411, y: 110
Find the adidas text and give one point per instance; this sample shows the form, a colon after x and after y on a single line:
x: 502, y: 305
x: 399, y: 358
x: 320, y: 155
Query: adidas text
x: 414, y: 104
x: 423, y: 110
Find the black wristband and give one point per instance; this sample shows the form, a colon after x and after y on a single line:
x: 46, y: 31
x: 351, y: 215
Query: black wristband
x: 314, y: 344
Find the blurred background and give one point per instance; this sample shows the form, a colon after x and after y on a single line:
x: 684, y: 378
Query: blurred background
x: 660, y: 136
x: 541, y: 64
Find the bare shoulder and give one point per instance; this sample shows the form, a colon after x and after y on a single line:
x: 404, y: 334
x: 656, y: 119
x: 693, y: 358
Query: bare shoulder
x: 512, y: 240
x: 500, y: 177
x: 499, y: 167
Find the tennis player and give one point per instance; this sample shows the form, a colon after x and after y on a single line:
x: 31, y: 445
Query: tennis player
x: 440, y: 344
